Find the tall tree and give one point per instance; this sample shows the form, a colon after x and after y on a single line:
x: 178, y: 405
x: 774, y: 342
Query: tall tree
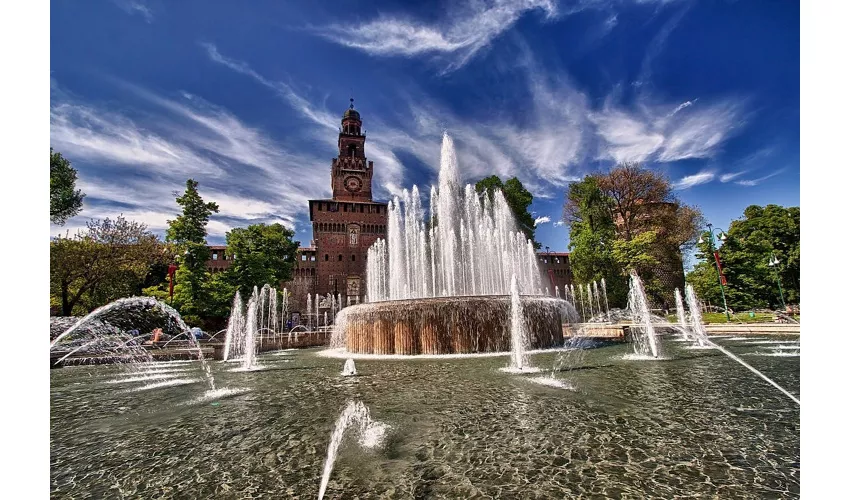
x: 262, y: 254
x: 592, y: 238
x: 188, y: 232
x: 518, y: 199
x: 65, y: 201
x: 762, y: 232
x: 109, y: 260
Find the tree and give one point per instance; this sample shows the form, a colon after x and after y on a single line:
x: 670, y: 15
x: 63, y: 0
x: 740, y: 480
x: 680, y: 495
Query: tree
x: 107, y: 261
x: 65, y: 201
x: 261, y: 254
x: 750, y: 242
x: 592, y: 238
x: 188, y: 233
x: 518, y: 199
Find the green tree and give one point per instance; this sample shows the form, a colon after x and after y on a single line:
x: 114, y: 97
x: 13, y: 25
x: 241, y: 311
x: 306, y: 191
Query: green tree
x: 745, y: 254
x: 107, y: 261
x: 261, y: 254
x: 592, y: 239
x: 65, y: 201
x: 188, y: 233
x: 518, y: 199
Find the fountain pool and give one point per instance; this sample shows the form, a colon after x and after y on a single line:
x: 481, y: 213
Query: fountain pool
x: 698, y: 424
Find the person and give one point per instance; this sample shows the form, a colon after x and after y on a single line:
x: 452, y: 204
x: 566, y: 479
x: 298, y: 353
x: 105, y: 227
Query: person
x: 157, y: 332
x: 289, y: 324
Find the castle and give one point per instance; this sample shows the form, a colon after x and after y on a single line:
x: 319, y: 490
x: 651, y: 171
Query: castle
x: 348, y: 223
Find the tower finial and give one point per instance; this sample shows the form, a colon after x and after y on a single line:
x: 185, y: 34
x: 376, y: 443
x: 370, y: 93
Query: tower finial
x: 352, y: 103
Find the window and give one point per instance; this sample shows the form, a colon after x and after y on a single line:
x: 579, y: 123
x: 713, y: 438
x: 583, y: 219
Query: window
x: 313, y: 258
x: 320, y: 207
x: 326, y: 257
x: 215, y: 256
x: 353, y: 258
x: 304, y: 257
x: 340, y: 257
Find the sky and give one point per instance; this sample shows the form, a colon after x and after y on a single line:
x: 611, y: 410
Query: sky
x: 247, y: 100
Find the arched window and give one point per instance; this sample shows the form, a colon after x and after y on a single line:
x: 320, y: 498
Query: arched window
x: 340, y: 257
x: 352, y: 149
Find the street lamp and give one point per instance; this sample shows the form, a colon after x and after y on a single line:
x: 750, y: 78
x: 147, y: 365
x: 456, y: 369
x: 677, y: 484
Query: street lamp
x: 773, y: 263
x: 720, y: 279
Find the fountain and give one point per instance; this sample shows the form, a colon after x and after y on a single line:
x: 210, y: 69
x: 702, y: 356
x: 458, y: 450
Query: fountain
x: 697, y: 328
x: 370, y: 433
x: 440, y: 284
x: 519, y: 337
x: 644, y: 338
x: 235, y: 328
x: 349, y: 370
x: 126, y: 311
x: 680, y: 314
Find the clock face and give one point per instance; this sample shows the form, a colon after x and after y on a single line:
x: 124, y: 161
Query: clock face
x: 353, y: 184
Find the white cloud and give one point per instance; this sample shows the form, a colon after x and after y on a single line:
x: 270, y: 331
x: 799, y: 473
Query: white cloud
x: 731, y: 176
x: 558, y: 223
x: 135, y: 7
x: 690, y: 181
x: 466, y: 29
x: 755, y: 182
x: 647, y: 133
x: 542, y: 220
x: 134, y: 165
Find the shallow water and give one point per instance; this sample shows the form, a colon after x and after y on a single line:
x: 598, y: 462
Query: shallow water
x: 697, y: 424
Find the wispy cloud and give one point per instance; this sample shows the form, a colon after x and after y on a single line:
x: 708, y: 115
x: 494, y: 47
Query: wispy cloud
x: 646, y: 132
x: 558, y: 223
x: 755, y: 182
x: 135, y: 7
x: 730, y: 176
x: 542, y: 220
x: 690, y: 181
x: 133, y: 164
x: 466, y: 29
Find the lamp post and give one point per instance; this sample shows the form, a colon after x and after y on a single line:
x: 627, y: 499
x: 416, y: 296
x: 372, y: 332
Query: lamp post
x: 773, y: 263
x: 720, y: 279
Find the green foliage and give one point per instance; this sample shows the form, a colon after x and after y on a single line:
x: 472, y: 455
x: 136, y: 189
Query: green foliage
x: 745, y: 255
x: 592, y: 239
x: 109, y: 260
x: 518, y: 199
x: 262, y: 254
x: 65, y: 201
x: 188, y: 233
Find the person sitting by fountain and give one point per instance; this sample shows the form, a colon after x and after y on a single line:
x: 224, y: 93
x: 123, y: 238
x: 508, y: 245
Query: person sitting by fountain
x: 155, y: 336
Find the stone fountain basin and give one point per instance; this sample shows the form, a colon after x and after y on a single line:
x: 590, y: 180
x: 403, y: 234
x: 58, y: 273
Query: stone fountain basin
x: 448, y: 325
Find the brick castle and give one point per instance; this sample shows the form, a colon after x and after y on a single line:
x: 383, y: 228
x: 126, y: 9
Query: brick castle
x: 348, y: 223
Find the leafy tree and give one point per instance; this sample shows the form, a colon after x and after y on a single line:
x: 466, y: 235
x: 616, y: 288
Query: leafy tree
x: 65, y: 201
x: 592, y: 239
x: 518, y: 199
x: 109, y: 260
x: 188, y: 233
x: 261, y: 254
x: 745, y: 255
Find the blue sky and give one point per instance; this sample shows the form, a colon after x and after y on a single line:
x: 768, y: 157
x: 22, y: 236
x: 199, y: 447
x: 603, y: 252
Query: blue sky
x: 246, y: 98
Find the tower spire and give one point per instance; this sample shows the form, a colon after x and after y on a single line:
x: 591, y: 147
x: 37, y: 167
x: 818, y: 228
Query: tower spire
x: 352, y: 103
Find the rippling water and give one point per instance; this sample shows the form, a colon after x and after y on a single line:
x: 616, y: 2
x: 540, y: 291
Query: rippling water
x: 698, y: 424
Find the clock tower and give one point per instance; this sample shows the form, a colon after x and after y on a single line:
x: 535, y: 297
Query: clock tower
x: 351, y: 173
x: 344, y: 226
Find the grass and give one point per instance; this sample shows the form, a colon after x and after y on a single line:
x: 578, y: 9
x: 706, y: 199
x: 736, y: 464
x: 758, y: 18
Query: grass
x: 742, y: 317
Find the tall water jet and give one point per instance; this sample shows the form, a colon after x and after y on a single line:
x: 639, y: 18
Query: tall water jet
x: 370, y: 432
x: 680, y: 313
x: 590, y: 301
x: 596, y: 296
x: 581, y: 303
x: 249, y: 358
x: 605, y: 293
x: 309, y: 311
x: 519, y: 341
x: 697, y: 328
x: 235, y: 326
x: 645, y: 342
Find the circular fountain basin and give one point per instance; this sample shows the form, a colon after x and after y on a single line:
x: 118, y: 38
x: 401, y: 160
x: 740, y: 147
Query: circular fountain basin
x: 447, y: 325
